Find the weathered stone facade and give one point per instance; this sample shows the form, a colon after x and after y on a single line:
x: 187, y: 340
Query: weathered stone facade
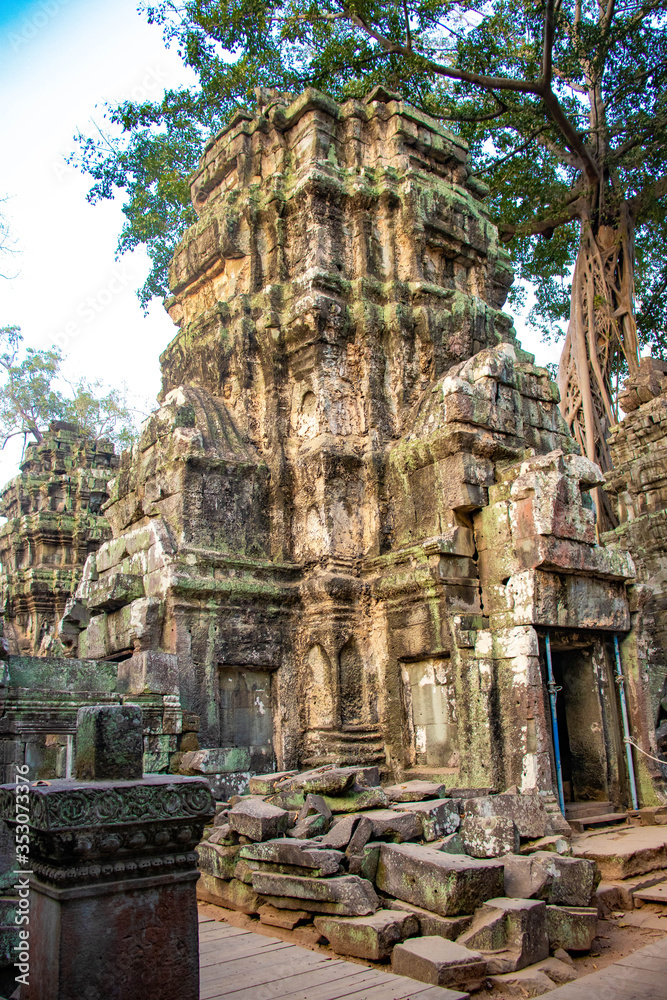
x: 358, y: 509
x: 638, y: 486
x: 54, y: 521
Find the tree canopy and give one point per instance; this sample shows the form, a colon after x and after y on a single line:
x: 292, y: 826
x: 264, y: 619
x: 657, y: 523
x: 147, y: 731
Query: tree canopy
x: 563, y: 103
x: 35, y: 391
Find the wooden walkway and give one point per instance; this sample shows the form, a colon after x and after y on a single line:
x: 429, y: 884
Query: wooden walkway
x: 239, y: 965
x: 640, y: 976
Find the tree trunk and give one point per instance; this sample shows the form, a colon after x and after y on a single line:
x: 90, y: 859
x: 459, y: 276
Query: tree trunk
x: 601, y: 334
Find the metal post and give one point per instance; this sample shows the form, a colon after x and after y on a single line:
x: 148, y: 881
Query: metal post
x: 553, y: 689
x: 620, y: 680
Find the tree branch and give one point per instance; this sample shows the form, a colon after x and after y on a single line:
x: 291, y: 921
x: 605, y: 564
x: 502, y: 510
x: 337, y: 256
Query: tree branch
x: 543, y: 227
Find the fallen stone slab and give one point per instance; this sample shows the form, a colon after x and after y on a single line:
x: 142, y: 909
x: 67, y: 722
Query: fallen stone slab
x: 526, y: 811
x: 640, y: 850
x: 447, y: 884
x: 371, y: 937
x: 555, y: 845
x: 391, y: 824
x: 329, y: 780
x: 439, y: 962
x: 515, y: 929
x: 489, y: 836
x: 246, y: 868
x: 287, y: 919
x: 572, y: 928
x: 432, y: 924
x: 217, y: 859
x: 362, y: 834
x: 551, y: 877
x: 354, y: 894
x: 365, y: 864
x: 311, y: 826
x: 314, y: 805
x: 303, y: 853
x: 450, y: 845
x: 526, y: 983
x: 257, y: 820
x: 415, y: 791
x: 438, y: 818
x: 557, y: 970
x: 234, y: 895
x: 340, y: 833
x: 264, y: 784
x: 357, y: 799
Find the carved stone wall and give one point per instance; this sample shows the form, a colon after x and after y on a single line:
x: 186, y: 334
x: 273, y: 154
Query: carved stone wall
x: 54, y: 521
x: 358, y: 496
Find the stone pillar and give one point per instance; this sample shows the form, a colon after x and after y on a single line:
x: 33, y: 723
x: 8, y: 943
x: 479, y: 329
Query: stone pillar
x: 113, y: 911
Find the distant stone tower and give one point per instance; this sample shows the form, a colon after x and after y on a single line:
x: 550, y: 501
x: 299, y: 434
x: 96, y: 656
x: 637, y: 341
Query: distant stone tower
x: 54, y: 522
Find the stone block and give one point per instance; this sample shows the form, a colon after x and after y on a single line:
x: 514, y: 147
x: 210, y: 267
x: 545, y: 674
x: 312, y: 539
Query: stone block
x: 526, y: 811
x: 304, y: 854
x: 310, y: 826
x: 526, y: 983
x: 109, y: 743
x: 443, y: 883
x: 390, y: 824
x: 287, y: 919
x: 439, y: 817
x: 257, y: 820
x: 365, y: 863
x: 514, y: 929
x: 572, y: 928
x: 350, y: 895
x: 372, y: 937
x: 551, y: 877
x: 234, y: 895
x: 356, y: 799
x: 559, y: 971
x: 439, y: 962
x: 415, y: 791
x: 217, y: 760
x: 264, y: 784
x: 489, y: 836
x: 340, y: 833
x: 432, y: 924
x: 149, y: 672
x: 217, y: 859
x: 321, y: 781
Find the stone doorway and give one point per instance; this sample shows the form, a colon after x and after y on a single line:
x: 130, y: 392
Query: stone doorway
x: 587, y: 717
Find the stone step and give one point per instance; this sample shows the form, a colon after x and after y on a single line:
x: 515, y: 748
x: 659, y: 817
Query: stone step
x: 607, y: 819
x: 573, y: 810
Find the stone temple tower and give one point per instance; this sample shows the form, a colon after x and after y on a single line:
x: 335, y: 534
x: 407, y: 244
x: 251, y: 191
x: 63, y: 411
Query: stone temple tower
x: 357, y: 507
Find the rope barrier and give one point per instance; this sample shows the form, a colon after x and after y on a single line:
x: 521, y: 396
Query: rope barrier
x: 627, y: 739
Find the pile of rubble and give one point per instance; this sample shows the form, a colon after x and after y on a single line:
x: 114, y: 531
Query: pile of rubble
x: 454, y: 886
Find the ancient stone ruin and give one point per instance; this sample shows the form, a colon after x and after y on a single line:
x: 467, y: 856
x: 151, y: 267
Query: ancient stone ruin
x: 54, y: 521
x: 351, y: 572
x: 348, y: 529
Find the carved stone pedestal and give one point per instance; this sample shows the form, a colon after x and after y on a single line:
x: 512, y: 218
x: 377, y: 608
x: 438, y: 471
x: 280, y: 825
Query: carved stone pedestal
x: 112, y: 901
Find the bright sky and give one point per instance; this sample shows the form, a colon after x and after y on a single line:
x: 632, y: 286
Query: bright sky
x: 60, y: 61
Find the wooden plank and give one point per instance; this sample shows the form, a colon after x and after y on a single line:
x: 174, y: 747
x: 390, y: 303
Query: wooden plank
x: 325, y: 982
x: 230, y: 961
x: 638, y: 961
x: 354, y: 986
x: 229, y: 950
x: 239, y: 975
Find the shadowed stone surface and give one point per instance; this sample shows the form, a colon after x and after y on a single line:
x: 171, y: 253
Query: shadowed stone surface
x: 572, y: 928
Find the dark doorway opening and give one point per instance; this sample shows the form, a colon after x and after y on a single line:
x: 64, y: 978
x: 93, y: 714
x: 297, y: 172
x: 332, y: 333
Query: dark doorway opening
x: 580, y: 726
